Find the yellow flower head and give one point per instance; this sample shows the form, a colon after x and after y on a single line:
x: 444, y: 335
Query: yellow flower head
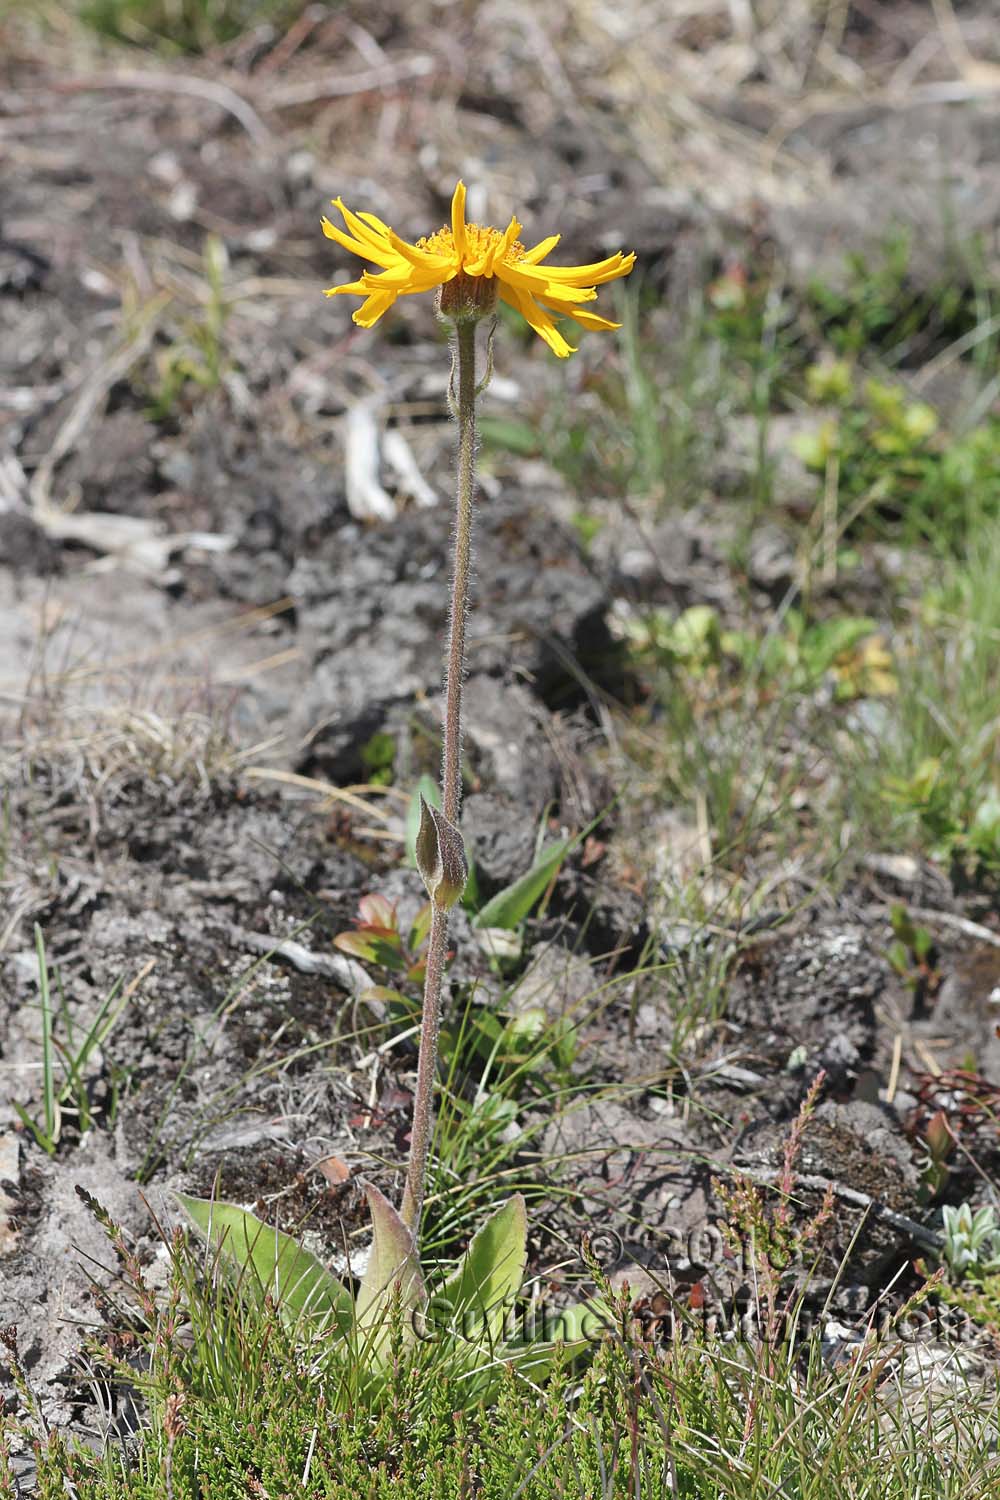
x: 481, y: 262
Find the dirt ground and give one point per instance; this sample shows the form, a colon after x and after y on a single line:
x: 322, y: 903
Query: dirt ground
x: 192, y: 607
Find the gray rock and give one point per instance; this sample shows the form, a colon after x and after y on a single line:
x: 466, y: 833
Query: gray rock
x: 24, y: 547
x: 372, y: 606
x: 557, y: 982
x: 499, y: 838
x: 505, y: 742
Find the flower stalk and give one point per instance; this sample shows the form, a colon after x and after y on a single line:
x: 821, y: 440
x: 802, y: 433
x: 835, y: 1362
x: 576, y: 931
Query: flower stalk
x: 434, y: 856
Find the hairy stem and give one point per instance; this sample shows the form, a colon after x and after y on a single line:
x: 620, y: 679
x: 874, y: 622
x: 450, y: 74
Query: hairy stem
x: 451, y: 775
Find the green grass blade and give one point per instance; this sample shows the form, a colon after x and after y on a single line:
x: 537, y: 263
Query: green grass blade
x: 51, y: 1104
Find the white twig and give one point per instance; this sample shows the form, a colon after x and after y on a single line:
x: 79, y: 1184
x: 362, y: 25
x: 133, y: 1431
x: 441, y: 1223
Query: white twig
x: 336, y: 86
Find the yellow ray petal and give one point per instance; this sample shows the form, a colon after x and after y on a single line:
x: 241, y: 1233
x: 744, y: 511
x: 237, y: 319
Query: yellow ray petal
x: 376, y: 223
x: 595, y: 274
x: 458, y: 220
x: 361, y: 231
x: 537, y: 283
x: 404, y: 278
x: 414, y: 254
x: 372, y: 309
x: 357, y: 288
x: 541, y: 250
x: 380, y: 257
x: 537, y: 318
x: 585, y: 319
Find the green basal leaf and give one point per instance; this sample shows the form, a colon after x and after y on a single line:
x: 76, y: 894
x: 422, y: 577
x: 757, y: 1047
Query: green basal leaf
x: 356, y: 944
x: 377, y: 911
x: 300, y: 1285
x: 475, y: 1300
x: 392, y: 1262
x: 509, y: 907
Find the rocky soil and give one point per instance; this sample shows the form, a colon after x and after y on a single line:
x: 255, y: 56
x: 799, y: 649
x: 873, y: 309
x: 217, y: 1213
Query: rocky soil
x: 211, y: 586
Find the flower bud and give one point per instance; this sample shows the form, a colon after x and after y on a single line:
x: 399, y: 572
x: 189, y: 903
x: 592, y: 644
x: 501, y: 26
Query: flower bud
x: 440, y: 855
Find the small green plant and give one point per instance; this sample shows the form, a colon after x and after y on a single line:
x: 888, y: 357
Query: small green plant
x: 197, y: 356
x: 879, y: 305
x: 376, y: 939
x: 70, y: 1094
x: 938, y: 1147
x: 971, y: 1249
x: 378, y: 758
x: 849, y: 650
x: 912, y: 953
x: 499, y: 1041
x: 767, y: 1224
x: 971, y: 1256
x: 896, y: 471
x: 462, y: 1325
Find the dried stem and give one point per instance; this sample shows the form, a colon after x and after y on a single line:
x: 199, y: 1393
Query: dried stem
x: 451, y: 775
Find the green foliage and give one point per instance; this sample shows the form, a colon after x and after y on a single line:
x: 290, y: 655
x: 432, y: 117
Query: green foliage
x: 477, y: 1296
x: 646, y: 423
x: 754, y: 323
x: 392, y: 1285
x: 377, y: 939
x: 460, y: 1329
x: 197, y: 355
x: 971, y: 1254
x: 896, y: 471
x: 71, y: 1095
x: 971, y: 1241
x: 911, y: 951
x: 849, y: 650
x: 936, y: 760
x: 178, y: 26
x: 494, y: 1054
x: 878, y: 306
x: 378, y: 757
x: 508, y: 435
x: 694, y: 1419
